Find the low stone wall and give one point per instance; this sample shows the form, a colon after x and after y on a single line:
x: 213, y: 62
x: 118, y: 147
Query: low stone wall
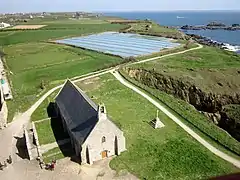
x: 35, y: 136
x: 3, y: 115
x: 28, y: 143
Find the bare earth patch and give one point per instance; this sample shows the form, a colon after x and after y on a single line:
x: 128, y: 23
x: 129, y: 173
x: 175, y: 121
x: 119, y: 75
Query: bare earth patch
x: 93, y: 83
x: 28, y: 26
x: 65, y: 169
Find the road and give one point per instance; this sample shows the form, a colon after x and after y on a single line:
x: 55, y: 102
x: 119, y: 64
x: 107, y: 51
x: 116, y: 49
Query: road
x: 211, y: 148
x: 14, y: 129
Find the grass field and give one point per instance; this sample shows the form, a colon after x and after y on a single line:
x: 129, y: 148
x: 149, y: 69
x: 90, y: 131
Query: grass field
x: 167, y: 153
x: 35, y: 65
x: 205, y: 68
x: 154, y: 29
x: 168, y: 51
x: 54, y: 31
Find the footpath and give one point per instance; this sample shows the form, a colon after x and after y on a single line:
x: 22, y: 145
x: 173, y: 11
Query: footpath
x: 211, y: 148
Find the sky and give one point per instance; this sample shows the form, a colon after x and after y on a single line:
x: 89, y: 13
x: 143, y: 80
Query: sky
x: 117, y: 5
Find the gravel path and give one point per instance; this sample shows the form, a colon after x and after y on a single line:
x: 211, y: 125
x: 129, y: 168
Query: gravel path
x: 211, y: 148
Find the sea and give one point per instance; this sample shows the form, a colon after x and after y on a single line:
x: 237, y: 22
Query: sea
x: 181, y: 18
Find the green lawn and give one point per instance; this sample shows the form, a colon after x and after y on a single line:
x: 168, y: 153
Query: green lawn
x: 41, y: 112
x: 167, y: 153
x: 35, y: 65
x: 58, y: 153
x: 53, y: 154
x: 54, y: 31
x: 45, y: 132
x: 50, y: 131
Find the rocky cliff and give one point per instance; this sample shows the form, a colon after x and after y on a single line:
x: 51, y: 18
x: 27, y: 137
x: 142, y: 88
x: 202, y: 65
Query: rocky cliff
x: 210, y: 104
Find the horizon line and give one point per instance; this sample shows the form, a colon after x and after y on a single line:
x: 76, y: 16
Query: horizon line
x: 119, y: 11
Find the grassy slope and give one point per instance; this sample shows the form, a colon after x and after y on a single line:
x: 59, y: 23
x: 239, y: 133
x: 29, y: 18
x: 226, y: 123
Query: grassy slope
x: 155, y: 30
x: 178, y: 67
x: 192, y: 118
x: 233, y: 111
x: 34, y: 63
x: 167, y: 153
x: 168, y: 51
x: 205, y: 68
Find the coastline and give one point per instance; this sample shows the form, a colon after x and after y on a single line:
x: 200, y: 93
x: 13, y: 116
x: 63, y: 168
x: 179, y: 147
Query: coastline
x: 194, y: 18
x: 209, y: 42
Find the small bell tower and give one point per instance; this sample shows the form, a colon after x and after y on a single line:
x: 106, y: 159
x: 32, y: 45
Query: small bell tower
x: 102, y: 112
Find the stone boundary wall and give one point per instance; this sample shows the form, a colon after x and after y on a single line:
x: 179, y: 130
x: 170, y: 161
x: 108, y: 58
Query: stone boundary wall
x: 28, y: 143
x: 35, y: 136
x: 3, y: 115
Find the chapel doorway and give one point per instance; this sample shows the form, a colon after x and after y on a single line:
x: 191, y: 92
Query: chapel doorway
x: 104, y: 154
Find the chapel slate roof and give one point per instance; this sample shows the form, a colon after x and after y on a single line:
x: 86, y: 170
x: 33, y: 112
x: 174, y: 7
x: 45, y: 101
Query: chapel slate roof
x: 78, y: 111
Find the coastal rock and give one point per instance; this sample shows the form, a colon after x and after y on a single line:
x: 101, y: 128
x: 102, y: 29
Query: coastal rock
x: 212, y: 26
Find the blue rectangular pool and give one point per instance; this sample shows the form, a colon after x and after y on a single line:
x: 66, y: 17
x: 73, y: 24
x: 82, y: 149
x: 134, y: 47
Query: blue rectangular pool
x: 121, y: 44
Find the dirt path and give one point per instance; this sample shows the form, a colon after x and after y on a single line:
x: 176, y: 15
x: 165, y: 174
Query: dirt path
x: 14, y: 128
x: 14, y: 131
x: 168, y: 55
x: 179, y: 122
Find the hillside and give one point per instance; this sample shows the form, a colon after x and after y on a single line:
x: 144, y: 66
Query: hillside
x: 207, y: 79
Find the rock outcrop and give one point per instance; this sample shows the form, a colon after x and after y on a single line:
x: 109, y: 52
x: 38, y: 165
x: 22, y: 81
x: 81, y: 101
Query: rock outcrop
x: 210, y: 104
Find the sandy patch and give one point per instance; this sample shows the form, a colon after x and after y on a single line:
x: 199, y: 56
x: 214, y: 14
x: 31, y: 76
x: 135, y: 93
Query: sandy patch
x: 28, y: 26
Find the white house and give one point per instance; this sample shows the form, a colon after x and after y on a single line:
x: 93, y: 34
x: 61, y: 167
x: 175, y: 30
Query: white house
x: 4, y: 25
x: 93, y: 135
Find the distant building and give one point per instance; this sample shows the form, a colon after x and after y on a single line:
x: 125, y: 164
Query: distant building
x: 4, y: 25
x: 93, y: 135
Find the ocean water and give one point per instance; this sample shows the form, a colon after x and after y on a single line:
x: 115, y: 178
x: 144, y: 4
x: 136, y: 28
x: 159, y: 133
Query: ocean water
x: 193, y: 18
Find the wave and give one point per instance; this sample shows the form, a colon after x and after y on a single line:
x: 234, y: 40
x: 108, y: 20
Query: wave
x: 230, y: 47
